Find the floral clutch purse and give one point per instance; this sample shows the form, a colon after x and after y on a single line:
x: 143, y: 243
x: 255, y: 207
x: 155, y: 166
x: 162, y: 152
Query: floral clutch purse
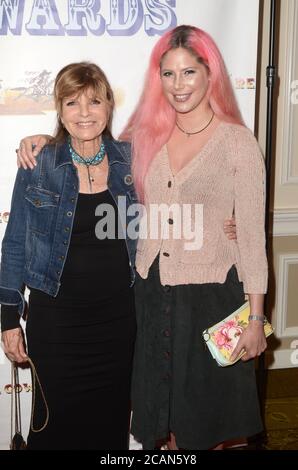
x: 223, y: 337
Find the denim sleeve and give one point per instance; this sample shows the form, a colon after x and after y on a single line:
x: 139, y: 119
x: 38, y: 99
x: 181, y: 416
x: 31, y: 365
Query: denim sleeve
x: 13, y: 247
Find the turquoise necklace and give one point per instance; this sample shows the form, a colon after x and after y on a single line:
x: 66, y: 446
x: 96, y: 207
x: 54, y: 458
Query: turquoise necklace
x: 90, y: 161
x: 98, y: 158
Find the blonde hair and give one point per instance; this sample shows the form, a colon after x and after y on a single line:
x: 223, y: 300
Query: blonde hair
x: 75, y: 79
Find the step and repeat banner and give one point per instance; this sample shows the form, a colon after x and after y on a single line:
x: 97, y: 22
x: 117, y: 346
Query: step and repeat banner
x: 39, y: 37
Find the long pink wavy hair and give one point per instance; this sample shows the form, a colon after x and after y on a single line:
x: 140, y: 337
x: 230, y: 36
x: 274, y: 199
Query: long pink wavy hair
x: 153, y: 120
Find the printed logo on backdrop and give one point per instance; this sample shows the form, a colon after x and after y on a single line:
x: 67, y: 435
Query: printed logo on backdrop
x: 4, y: 217
x: 124, y: 18
x: 33, y: 91
x: 242, y: 83
x: 34, y: 95
x: 24, y: 387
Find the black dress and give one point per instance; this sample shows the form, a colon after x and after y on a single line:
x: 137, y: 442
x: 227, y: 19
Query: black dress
x: 82, y: 342
x: 177, y: 385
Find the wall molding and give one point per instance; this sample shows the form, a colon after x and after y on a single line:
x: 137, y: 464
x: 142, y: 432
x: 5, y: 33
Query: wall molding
x: 285, y: 222
x: 282, y: 331
x: 288, y: 112
x: 282, y: 359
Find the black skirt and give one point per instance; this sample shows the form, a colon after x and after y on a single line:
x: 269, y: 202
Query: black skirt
x: 177, y: 385
x: 82, y: 342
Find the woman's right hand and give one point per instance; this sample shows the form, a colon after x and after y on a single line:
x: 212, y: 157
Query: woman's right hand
x: 14, y: 346
x: 30, y: 147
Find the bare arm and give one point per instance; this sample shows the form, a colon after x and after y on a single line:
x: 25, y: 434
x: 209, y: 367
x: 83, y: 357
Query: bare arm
x: 30, y: 147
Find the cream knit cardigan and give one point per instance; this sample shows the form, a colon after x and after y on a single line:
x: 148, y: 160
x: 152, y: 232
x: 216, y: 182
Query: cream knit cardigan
x: 226, y: 176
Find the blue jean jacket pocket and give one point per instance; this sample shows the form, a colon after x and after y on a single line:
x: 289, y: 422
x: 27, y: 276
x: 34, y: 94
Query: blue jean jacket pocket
x: 41, y: 209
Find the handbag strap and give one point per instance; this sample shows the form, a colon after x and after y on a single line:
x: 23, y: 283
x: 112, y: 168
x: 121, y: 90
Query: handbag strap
x: 35, y: 379
x: 16, y: 425
x: 15, y: 417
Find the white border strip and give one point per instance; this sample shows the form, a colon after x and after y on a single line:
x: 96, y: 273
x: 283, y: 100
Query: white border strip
x: 282, y: 331
x: 288, y: 128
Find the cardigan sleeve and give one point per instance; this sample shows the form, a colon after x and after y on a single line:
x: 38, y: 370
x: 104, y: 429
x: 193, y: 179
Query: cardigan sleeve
x: 249, y: 194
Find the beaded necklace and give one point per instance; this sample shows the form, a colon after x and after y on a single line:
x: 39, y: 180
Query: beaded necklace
x: 90, y: 161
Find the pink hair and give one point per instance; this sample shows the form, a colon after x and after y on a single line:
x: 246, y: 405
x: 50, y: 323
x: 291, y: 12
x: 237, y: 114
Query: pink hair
x: 153, y: 120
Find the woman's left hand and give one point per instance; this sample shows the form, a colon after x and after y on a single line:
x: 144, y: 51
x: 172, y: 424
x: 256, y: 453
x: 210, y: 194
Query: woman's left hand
x: 252, y: 340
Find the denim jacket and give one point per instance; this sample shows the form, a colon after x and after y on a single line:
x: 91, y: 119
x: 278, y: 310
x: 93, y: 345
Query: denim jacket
x: 43, y: 206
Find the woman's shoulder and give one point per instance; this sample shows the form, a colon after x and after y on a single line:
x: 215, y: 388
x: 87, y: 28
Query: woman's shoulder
x: 239, y: 133
x: 121, y: 146
x: 52, y: 147
x: 51, y: 155
x: 243, y: 145
x: 48, y: 149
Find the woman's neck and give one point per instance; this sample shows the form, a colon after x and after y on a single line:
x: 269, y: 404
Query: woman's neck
x: 196, y: 118
x: 86, y: 148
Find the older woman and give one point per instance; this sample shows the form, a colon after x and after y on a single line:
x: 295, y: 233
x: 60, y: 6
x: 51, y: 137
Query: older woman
x: 81, y: 320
